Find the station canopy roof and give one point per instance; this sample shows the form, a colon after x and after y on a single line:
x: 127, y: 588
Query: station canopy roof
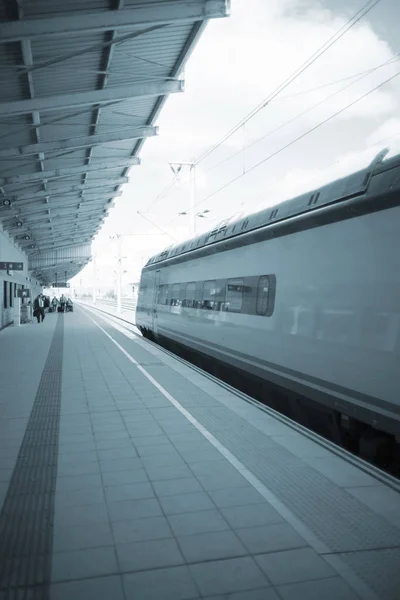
x: 82, y: 83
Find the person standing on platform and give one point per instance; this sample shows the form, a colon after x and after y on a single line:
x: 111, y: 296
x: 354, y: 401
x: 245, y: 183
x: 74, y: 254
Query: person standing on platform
x: 54, y: 304
x: 63, y: 302
x: 38, y: 308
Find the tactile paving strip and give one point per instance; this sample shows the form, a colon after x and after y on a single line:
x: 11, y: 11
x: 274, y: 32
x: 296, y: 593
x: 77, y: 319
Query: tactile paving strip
x: 26, y: 519
x: 378, y: 568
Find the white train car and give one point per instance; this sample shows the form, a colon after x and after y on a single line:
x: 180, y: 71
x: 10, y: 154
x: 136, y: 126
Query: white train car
x: 305, y: 295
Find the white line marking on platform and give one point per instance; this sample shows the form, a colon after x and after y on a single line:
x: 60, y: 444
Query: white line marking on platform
x: 342, y: 569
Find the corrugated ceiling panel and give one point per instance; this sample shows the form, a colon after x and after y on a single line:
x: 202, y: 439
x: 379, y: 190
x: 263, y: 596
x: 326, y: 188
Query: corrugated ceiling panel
x: 44, y: 8
x: 64, y: 65
x: 63, y: 131
x: 16, y: 131
x: 13, y: 84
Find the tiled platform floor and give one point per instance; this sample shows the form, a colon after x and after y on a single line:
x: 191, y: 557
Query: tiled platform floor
x: 151, y: 502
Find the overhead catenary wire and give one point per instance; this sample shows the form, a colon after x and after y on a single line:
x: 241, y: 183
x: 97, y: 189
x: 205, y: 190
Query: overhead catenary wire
x: 164, y: 191
x: 361, y: 76
x: 158, y: 226
x: 311, y: 60
x: 300, y: 137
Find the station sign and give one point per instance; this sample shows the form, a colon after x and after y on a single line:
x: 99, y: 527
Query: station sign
x: 24, y: 293
x: 11, y: 266
x: 59, y: 284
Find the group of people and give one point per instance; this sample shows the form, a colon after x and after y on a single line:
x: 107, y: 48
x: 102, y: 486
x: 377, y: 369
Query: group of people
x: 42, y: 302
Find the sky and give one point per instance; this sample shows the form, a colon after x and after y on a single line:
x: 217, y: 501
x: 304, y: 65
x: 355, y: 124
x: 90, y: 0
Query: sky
x: 237, y: 63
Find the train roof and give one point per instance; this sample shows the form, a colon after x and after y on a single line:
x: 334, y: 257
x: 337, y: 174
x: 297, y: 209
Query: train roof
x: 348, y: 187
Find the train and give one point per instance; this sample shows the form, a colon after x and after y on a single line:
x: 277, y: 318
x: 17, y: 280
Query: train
x: 304, y: 296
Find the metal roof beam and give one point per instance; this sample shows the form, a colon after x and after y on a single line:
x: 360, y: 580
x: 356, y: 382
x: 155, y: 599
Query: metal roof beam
x: 103, y: 165
x: 80, y: 142
x: 146, y: 13
x: 98, y: 97
x: 87, y: 187
x: 67, y: 199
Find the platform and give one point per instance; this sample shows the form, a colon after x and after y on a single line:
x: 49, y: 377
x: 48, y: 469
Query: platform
x: 127, y: 474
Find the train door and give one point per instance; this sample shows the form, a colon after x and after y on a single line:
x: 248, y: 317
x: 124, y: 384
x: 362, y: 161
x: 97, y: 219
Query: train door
x: 155, y: 301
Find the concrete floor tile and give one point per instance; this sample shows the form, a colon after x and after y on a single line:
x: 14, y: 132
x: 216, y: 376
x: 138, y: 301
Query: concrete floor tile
x: 141, y: 530
x: 127, y: 451
x: 156, y: 450
x: 293, y: 566
x: 197, y: 522
x: 236, y: 497
x: 129, y: 463
x: 270, y: 538
x: 93, y: 495
x: 5, y: 475
x: 81, y: 515
x: 163, y: 460
x: 124, y: 477
x: 186, y: 503
x: 260, y: 594
x: 224, y: 576
x: 78, y: 448
x: 80, y: 564
x: 153, y: 440
x: 134, y: 509
x: 251, y: 515
x: 161, y: 473
x: 74, y: 458
x: 78, y: 482
x: 106, y: 436
x: 174, y: 583
x: 172, y: 487
x: 153, y: 554
x: 78, y: 537
x: 133, y: 491
x: 220, y: 482
x: 115, y: 445
x: 333, y: 588
x: 99, y: 588
x: 211, y: 546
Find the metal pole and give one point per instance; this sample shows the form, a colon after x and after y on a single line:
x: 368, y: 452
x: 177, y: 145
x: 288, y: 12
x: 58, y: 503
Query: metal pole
x: 94, y: 279
x: 119, y: 275
x: 192, y: 199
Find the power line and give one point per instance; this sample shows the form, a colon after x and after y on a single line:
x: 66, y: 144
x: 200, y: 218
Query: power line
x: 163, y: 192
x: 158, y: 227
x: 303, y: 135
x: 332, y: 40
x: 330, y: 83
x: 304, y: 112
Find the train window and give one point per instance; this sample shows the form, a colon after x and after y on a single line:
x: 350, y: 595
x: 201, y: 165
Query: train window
x: 176, y: 295
x: 163, y: 295
x: 11, y: 295
x: 234, y: 295
x: 209, y: 294
x: 262, y: 295
x: 5, y: 294
x: 190, y: 296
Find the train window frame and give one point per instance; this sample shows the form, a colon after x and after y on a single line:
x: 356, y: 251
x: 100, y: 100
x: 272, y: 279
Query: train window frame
x: 234, y: 282
x: 190, y: 302
x: 176, y: 293
x: 162, y: 298
x: 259, y: 306
x: 203, y: 300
